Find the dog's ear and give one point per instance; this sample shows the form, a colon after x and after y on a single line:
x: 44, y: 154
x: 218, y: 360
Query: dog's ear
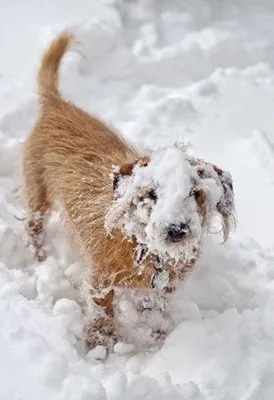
x: 225, y: 206
x: 126, y: 170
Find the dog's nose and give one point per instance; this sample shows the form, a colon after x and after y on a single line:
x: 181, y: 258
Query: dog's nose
x: 177, y: 232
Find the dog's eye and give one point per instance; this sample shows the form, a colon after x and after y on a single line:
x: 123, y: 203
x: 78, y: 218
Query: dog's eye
x: 152, y: 195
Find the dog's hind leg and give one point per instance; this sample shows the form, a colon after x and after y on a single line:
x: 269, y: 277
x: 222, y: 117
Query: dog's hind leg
x: 36, y: 237
x: 38, y: 207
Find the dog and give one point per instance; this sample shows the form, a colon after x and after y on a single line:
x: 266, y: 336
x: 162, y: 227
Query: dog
x: 137, y: 220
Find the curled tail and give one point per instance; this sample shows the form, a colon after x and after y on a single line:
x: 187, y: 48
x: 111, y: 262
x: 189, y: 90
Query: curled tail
x: 48, y: 72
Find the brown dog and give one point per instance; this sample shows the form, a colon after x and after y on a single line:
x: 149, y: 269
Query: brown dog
x: 138, y: 220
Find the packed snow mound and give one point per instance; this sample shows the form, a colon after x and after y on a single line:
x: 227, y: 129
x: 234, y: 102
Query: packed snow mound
x: 162, y: 72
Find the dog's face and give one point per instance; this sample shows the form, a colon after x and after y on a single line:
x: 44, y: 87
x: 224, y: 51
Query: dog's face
x: 167, y: 202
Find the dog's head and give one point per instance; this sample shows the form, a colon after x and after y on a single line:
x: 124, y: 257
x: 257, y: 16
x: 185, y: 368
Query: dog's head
x: 167, y: 201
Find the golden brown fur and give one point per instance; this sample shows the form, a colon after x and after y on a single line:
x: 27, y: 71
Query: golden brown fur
x: 67, y: 162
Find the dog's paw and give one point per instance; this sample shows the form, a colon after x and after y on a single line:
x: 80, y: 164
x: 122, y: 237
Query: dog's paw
x: 101, y: 332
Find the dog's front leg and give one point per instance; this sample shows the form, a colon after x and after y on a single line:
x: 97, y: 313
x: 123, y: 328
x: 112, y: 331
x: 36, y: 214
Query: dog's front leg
x: 100, y: 331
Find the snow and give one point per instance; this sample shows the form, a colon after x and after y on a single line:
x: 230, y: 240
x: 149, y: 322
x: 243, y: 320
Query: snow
x: 162, y: 72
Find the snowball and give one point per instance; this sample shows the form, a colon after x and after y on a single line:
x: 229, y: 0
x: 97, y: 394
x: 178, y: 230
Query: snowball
x: 77, y: 387
x: 124, y: 348
x: 54, y: 368
x: 98, y: 353
x: 71, y: 314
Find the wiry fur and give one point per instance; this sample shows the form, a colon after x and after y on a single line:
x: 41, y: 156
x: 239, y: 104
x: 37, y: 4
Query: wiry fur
x: 67, y: 162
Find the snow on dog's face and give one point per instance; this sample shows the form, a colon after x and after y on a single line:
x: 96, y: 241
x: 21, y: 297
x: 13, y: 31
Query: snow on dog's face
x: 166, y: 202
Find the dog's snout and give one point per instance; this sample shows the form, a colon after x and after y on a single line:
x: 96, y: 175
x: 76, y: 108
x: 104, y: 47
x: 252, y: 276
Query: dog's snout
x: 177, y: 232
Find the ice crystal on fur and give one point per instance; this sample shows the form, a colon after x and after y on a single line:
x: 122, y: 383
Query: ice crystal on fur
x: 174, y: 182
x: 160, y: 279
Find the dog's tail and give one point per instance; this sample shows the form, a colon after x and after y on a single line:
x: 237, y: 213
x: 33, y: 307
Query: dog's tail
x: 48, y: 72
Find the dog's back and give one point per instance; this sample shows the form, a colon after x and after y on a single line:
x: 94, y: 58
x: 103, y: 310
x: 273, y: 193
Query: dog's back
x: 64, y: 133
x: 68, y: 155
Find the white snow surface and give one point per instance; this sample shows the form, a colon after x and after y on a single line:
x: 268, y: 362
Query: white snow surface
x: 161, y: 71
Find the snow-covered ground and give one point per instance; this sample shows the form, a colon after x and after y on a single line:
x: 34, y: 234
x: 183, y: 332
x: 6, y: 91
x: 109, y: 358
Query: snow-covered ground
x: 160, y: 71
